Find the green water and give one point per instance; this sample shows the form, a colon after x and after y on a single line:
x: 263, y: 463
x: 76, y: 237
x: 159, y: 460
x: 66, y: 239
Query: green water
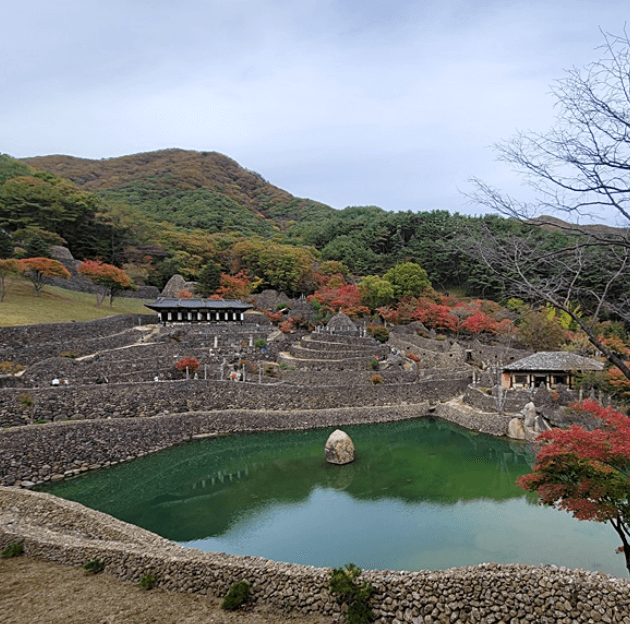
x: 421, y: 494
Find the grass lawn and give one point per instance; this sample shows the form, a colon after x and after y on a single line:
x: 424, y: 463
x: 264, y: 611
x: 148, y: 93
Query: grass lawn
x: 56, y: 305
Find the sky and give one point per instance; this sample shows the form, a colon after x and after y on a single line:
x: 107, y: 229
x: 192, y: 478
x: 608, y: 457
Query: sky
x: 393, y: 103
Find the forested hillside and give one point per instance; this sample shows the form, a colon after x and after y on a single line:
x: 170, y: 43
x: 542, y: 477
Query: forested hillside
x: 202, y: 215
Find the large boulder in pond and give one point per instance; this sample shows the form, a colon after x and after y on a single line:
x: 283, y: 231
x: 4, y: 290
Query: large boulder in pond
x: 339, y: 448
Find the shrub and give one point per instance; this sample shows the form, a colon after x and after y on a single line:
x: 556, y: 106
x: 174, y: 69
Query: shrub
x: 190, y: 363
x: 286, y: 327
x: 25, y: 399
x: 68, y: 354
x: 374, y: 364
x: 283, y: 366
x: 14, y: 549
x: 413, y: 357
x: 237, y: 595
x: 376, y: 379
x: 260, y: 343
x: 250, y: 367
x: 10, y: 368
x: 343, y: 583
x: 271, y: 371
x: 379, y: 332
x: 147, y: 581
x: 282, y: 306
x: 94, y: 566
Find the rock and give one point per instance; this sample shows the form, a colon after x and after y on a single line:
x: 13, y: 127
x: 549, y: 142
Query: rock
x: 176, y: 284
x: 540, y: 424
x: 542, y: 396
x: 339, y: 448
x: 529, y: 415
x: 516, y: 430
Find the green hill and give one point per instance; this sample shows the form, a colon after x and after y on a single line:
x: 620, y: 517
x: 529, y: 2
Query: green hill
x: 189, y: 189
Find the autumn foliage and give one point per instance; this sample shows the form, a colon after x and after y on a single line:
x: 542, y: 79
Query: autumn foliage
x: 336, y: 295
x: 190, y: 363
x: 587, y: 472
x: 38, y: 268
x: 111, y: 279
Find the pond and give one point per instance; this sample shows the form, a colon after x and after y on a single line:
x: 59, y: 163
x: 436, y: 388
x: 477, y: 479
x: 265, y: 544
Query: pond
x: 422, y: 494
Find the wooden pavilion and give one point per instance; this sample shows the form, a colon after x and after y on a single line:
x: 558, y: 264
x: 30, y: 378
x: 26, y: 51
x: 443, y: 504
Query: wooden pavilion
x: 197, y: 310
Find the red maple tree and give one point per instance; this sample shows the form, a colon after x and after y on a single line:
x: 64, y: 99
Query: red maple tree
x: 38, y: 268
x: 587, y: 472
x: 111, y: 279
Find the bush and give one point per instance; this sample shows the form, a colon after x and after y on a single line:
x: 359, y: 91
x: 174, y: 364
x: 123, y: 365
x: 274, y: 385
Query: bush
x: 374, y: 364
x: 10, y: 368
x: 356, y: 596
x: 94, y: 566
x: 260, y: 343
x: 413, y: 357
x: 379, y: 332
x: 68, y: 354
x: 376, y: 379
x: 286, y: 327
x: 190, y: 363
x: 147, y: 581
x: 237, y: 595
x: 14, y: 549
x: 25, y: 399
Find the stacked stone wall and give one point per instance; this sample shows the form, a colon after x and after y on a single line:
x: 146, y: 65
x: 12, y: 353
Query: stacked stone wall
x: 27, y: 344
x: 515, y: 401
x: 156, y: 398
x: 38, y: 453
x: 68, y: 533
x: 428, y: 358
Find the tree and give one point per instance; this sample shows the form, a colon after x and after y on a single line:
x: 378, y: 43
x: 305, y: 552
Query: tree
x: 36, y: 269
x: 587, y: 472
x: 208, y: 280
x: 540, y: 332
x: 111, y: 279
x: 408, y: 279
x: 375, y: 291
x: 10, y: 266
x: 579, y: 167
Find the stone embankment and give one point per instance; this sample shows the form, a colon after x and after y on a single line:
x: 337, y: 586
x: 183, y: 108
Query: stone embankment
x: 66, y: 532
x: 35, y: 454
x: 20, y: 406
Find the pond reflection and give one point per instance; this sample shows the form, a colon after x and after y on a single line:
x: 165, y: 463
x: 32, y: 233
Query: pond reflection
x: 421, y: 494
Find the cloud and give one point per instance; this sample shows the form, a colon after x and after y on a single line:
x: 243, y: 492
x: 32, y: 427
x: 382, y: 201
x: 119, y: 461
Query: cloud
x: 372, y: 102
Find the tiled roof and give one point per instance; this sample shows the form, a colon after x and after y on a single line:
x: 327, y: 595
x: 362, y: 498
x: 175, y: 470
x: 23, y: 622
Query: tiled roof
x: 554, y: 361
x: 198, y: 304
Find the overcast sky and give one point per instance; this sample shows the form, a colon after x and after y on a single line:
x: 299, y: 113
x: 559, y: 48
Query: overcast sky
x: 394, y: 103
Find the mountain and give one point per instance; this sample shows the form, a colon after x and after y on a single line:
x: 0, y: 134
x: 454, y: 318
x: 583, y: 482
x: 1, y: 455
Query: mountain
x: 187, y: 188
x: 596, y: 230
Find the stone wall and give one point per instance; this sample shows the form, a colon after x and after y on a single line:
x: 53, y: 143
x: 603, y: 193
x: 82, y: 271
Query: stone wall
x: 157, y: 398
x: 429, y: 357
x: 66, y: 532
x: 39, y: 453
x: 26, y: 344
x: 516, y: 400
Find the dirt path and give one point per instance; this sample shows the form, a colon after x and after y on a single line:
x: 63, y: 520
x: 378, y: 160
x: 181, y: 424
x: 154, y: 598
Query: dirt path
x: 40, y: 592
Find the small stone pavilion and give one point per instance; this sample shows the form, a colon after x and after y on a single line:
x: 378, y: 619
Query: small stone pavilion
x: 341, y: 324
x: 173, y: 310
x: 549, y: 368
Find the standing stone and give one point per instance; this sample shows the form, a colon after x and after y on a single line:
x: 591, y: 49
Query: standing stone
x: 339, y: 448
x: 516, y: 431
